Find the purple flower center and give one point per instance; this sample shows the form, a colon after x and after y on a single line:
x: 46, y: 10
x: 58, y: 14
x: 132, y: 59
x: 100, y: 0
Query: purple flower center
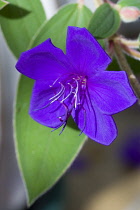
x: 71, y: 88
x: 69, y: 91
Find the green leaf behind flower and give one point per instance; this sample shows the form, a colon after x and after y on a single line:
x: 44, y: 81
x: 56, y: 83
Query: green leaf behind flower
x: 56, y: 27
x: 43, y: 155
x: 128, y: 3
x: 20, y: 20
x: 3, y: 4
x: 104, y: 22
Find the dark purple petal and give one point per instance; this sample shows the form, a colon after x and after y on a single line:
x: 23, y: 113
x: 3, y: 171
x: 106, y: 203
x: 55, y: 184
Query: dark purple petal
x: 40, y: 108
x: 43, y: 61
x: 94, y: 124
x: 84, y: 52
x: 111, y: 92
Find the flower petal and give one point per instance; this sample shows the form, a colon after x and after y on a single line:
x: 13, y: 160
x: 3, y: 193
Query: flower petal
x: 111, y: 92
x: 84, y: 52
x: 43, y: 61
x: 94, y: 124
x: 41, y: 108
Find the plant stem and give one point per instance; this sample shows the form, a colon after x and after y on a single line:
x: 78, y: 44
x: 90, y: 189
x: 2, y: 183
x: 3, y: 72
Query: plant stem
x: 125, y: 66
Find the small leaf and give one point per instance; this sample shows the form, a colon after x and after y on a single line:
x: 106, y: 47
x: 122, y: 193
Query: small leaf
x: 56, y: 27
x: 127, y: 3
x: 20, y: 20
x: 104, y: 22
x: 10, y: 12
x: 3, y: 4
x: 43, y: 155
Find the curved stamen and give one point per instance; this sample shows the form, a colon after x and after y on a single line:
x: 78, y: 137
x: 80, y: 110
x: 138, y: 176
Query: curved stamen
x: 63, y: 127
x: 76, y: 91
x: 68, y: 113
x: 55, y: 81
x: 55, y: 99
x: 58, y: 79
x: 57, y: 96
x: 68, y: 94
x: 61, y: 90
x: 59, y: 127
x: 73, y: 86
x: 66, y: 116
x: 42, y: 107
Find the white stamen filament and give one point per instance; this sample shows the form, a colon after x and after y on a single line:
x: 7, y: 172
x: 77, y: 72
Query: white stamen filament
x: 76, y: 91
x: 68, y: 94
x: 61, y: 93
x: 54, y: 82
x: 61, y: 90
x: 73, y: 89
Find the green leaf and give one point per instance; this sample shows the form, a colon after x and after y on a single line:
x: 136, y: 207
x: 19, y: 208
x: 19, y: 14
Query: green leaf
x: 20, y: 20
x: 104, y: 22
x: 3, y: 4
x: 128, y: 3
x: 56, y: 27
x: 43, y: 155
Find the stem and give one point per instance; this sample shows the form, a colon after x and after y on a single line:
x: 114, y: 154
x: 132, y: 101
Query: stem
x: 125, y: 66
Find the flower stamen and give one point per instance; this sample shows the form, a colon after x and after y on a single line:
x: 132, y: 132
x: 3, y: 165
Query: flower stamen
x: 68, y: 94
x: 76, y: 92
x: 59, y: 93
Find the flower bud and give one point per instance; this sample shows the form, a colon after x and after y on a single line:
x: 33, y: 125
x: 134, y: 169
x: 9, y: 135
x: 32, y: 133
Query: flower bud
x: 129, y: 14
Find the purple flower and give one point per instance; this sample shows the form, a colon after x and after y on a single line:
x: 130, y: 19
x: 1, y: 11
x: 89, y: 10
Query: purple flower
x: 76, y: 84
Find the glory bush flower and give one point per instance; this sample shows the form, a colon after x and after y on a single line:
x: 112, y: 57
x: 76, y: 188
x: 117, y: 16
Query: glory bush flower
x: 76, y: 84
